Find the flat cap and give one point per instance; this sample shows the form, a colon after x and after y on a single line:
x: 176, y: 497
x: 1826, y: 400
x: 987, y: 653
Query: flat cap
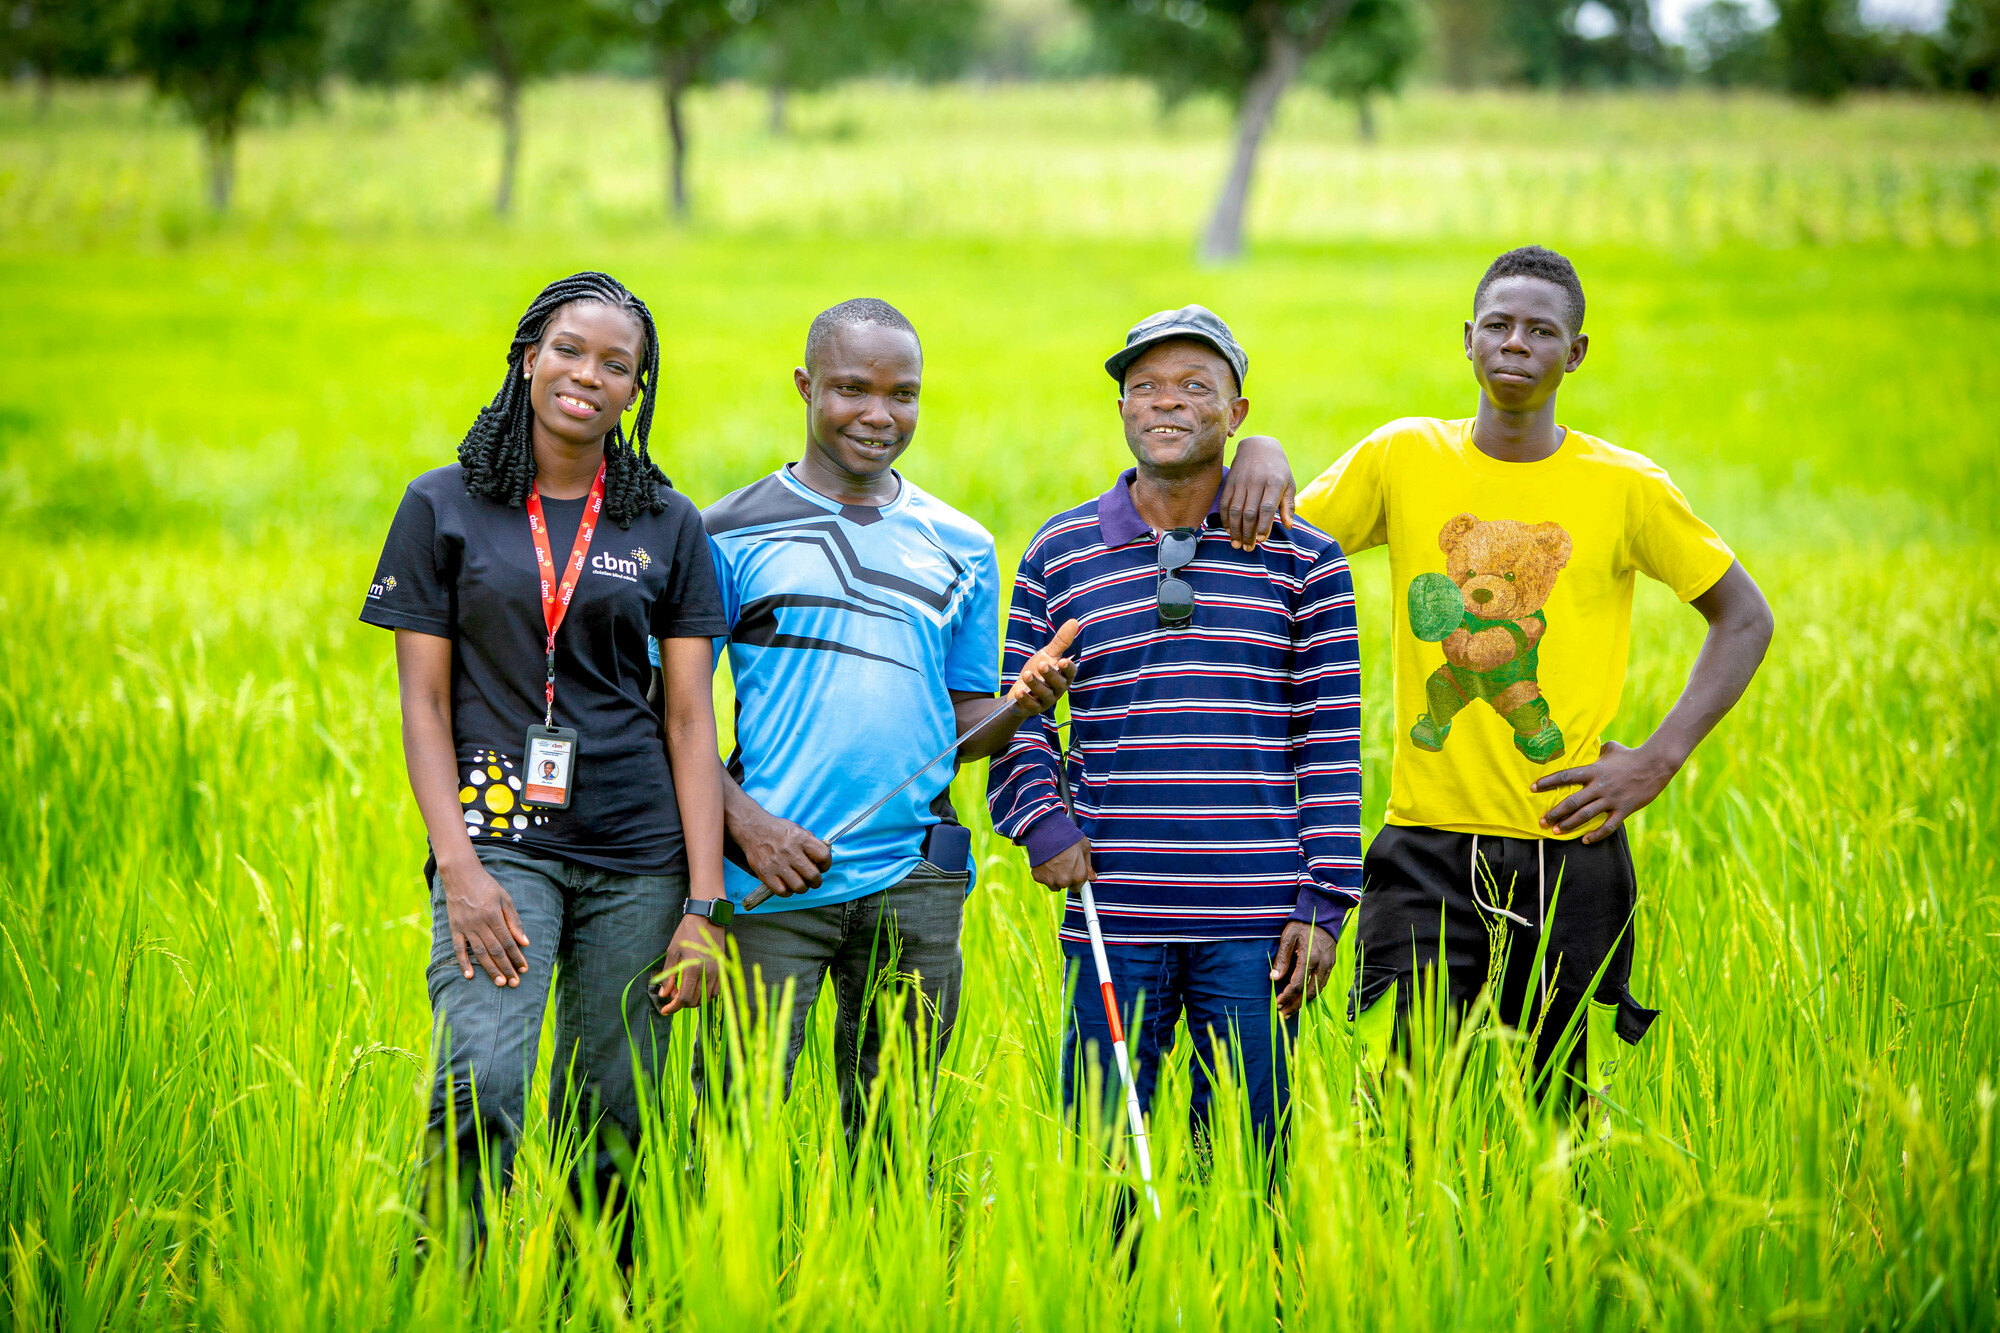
x: 1190, y: 321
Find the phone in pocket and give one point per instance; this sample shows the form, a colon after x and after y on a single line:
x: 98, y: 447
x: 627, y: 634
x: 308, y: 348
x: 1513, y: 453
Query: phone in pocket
x: 949, y: 848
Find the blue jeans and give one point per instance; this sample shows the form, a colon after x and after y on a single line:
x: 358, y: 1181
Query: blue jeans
x: 598, y: 936
x: 1222, y: 988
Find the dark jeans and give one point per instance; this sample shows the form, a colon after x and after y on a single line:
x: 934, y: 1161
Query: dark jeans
x: 906, y: 931
x: 598, y: 935
x: 1222, y: 987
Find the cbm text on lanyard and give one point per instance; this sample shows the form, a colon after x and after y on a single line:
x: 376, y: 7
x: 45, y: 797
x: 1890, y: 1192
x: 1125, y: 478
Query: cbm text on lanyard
x: 556, y: 595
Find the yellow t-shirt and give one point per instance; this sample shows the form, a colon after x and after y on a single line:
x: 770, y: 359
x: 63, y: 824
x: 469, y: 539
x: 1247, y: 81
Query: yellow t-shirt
x: 1512, y: 592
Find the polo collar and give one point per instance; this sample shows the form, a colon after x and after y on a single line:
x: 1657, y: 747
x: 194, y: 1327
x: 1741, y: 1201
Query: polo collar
x: 1118, y: 521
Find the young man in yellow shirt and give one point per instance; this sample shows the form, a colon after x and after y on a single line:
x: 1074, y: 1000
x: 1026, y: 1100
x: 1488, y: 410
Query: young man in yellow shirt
x: 1513, y: 542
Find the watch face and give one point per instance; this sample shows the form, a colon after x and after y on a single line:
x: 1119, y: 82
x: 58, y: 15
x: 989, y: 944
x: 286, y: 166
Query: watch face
x: 719, y: 910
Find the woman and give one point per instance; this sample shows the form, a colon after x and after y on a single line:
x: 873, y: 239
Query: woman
x: 561, y: 829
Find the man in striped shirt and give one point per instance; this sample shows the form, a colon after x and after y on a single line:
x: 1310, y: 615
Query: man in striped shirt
x: 1214, y: 756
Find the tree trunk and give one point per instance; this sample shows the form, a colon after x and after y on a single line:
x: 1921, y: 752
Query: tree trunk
x: 510, y: 145
x: 674, y: 76
x: 486, y: 24
x: 1364, y: 111
x: 45, y: 92
x: 777, y: 125
x: 219, y: 140
x: 1284, y: 52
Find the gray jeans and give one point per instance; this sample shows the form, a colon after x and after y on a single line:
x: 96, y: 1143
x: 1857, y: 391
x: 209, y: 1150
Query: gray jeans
x: 906, y: 932
x: 598, y: 935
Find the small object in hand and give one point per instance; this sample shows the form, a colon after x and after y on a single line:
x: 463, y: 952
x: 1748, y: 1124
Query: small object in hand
x: 1436, y: 607
x: 666, y: 982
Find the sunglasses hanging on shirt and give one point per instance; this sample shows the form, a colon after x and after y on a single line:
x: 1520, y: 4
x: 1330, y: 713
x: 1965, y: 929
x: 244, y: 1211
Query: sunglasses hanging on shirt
x: 1176, y: 594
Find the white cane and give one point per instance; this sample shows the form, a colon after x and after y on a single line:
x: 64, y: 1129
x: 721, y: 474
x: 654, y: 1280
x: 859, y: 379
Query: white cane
x: 1110, y: 996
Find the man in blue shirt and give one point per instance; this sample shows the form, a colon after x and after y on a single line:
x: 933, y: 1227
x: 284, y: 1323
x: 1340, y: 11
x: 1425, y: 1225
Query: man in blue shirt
x: 864, y: 634
x: 1214, y: 753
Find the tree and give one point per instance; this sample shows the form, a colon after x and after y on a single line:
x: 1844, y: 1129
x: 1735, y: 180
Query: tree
x: 1577, y: 43
x: 518, y: 41
x: 683, y: 37
x: 214, y: 56
x: 1369, y: 53
x: 1247, y: 50
x: 803, y: 45
x: 381, y: 43
x: 1817, y: 49
x: 1812, y: 46
x: 1969, y: 47
x: 58, y: 39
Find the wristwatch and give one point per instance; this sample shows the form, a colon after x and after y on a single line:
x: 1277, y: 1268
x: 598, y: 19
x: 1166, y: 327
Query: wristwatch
x: 719, y: 911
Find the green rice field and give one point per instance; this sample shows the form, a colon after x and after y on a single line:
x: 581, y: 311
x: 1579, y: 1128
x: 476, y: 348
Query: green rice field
x: 213, y: 928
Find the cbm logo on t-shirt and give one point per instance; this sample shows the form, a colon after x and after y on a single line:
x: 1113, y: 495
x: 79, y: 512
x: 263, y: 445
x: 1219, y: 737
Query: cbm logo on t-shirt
x: 616, y: 566
x: 380, y: 586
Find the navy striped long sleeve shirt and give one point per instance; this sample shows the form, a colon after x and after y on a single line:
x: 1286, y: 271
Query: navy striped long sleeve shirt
x: 1215, y: 767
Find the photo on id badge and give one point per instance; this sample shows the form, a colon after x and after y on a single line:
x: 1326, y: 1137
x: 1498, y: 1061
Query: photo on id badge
x: 551, y: 756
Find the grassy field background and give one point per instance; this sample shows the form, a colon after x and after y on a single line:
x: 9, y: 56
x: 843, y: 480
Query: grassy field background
x: 212, y: 928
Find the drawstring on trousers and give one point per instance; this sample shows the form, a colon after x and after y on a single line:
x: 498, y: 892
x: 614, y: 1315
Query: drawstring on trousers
x: 1515, y: 917
x: 1541, y: 900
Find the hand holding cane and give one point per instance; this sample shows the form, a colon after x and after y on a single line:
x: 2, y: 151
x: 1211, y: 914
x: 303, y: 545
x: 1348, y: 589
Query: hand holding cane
x: 763, y: 892
x: 1109, y: 994
x: 1046, y: 659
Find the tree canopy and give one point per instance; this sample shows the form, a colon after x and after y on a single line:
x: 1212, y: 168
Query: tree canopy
x: 213, y: 56
x: 1370, y: 53
x: 803, y: 45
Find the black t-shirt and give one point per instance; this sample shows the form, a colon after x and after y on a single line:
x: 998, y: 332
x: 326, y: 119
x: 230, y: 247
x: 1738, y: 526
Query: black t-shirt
x: 464, y: 569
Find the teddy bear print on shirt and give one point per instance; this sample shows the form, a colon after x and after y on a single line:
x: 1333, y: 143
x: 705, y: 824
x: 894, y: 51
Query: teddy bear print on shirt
x: 1486, y: 611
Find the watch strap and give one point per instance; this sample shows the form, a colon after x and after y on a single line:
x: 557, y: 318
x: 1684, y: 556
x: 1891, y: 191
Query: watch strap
x: 719, y: 910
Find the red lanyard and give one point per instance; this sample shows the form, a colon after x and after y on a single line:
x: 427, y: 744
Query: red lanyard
x: 555, y: 598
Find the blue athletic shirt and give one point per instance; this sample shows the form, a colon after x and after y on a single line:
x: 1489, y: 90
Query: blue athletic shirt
x: 849, y: 627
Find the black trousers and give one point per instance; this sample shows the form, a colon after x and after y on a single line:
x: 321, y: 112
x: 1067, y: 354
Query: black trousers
x: 1432, y: 901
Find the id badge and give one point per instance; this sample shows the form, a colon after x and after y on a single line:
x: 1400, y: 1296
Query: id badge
x: 551, y: 767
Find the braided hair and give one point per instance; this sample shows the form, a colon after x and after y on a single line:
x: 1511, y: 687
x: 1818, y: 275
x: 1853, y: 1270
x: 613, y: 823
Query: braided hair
x: 498, y: 453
